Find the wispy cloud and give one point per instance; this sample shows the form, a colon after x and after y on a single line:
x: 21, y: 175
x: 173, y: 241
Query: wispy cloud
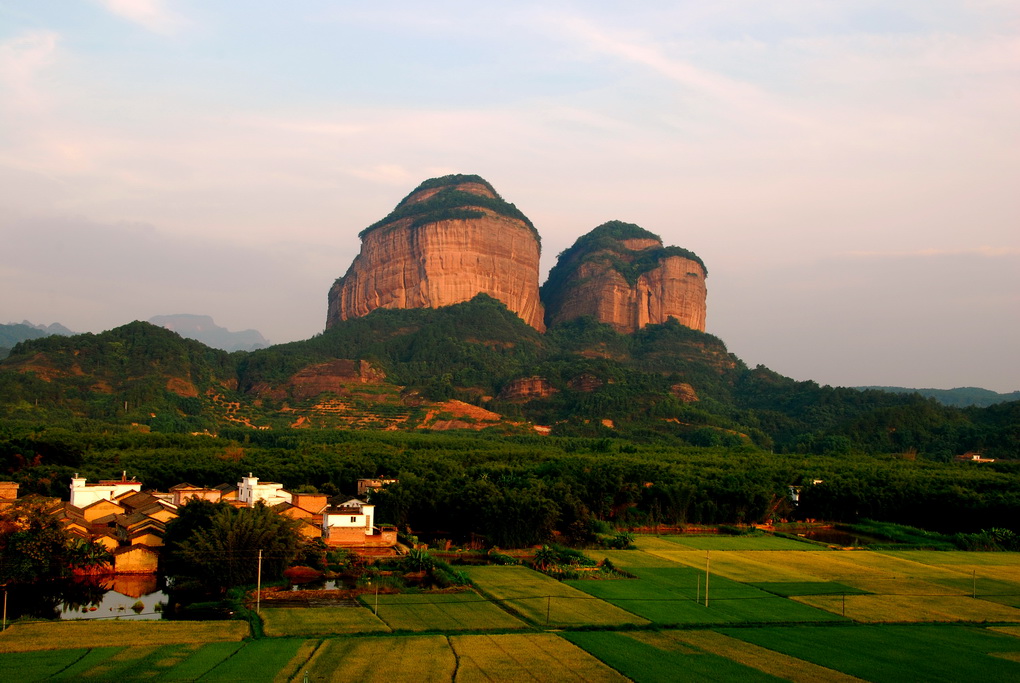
x: 986, y: 251
x: 21, y: 60
x: 739, y: 96
x: 153, y: 15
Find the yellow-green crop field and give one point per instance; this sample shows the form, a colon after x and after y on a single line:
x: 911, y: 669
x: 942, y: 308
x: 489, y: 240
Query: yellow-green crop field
x: 52, y: 635
x: 526, y: 657
x: 466, y: 611
x: 544, y: 600
x: 383, y: 660
x: 896, y: 605
x: 320, y: 621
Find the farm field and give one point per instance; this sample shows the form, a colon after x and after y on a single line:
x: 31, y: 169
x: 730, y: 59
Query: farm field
x: 52, y: 635
x: 916, y: 652
x: 541, y: 599
x: 385, y: 659
x: 467, y: 611
x: 881, y: 592
x: 675, y: 595
x: 320, y: 621
x: 649, y: 662
x: 749, y: 543
x: 536, y: 657
x: 261, y: 660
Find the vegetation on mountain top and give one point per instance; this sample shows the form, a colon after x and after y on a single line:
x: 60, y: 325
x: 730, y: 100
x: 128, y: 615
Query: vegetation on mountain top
x: 451, y: 203
x: 605, y: 245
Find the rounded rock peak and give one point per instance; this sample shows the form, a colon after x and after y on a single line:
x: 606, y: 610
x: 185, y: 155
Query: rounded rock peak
x: 621, y: 274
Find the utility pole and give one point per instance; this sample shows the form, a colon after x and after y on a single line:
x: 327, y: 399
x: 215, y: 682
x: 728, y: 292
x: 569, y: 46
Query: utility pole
x: 5, y: 608
x: 708, y: 560
x: 548, y: 607
x: 973, y: 586
x: 258, y: 587
x: 376, y: 598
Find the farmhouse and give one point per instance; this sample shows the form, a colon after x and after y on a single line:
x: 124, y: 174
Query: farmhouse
x: 352, y: 524
x: 83, y: 494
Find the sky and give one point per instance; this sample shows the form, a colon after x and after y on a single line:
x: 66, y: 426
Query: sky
x: 849, y: 171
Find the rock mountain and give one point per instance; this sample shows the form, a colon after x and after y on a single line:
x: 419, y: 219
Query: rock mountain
x: 454, y: 237
x: 449, y: 240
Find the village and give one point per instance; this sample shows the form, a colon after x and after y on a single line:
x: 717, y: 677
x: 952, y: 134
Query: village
x: 130, y: 523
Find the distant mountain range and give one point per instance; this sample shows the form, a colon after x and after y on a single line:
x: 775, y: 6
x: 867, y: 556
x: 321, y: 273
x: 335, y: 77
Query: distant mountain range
x: 12, y: 333
x: 961, y: 397
x: 202, y: 328
x: 198, y: 327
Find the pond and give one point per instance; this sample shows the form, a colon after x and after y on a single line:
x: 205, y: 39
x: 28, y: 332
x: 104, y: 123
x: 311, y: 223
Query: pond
x: 124, y: 596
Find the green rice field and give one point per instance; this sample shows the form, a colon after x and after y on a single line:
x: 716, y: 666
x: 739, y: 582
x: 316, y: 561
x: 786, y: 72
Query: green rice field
x: 320, y: 621
x: 466, y: 611
x: 545, y: 601
x: 773, y: 614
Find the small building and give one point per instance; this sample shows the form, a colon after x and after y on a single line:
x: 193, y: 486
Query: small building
x: 84, y: 494
x: 973, y: 457
x: 9, y: 490
x: 367, y: 486
x: 352, y: 524
x: 251, y: 491
x: 182, y: 493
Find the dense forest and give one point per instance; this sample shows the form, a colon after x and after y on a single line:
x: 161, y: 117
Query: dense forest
x: 661, y: 426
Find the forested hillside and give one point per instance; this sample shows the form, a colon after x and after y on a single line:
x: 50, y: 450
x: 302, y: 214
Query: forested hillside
x: 665, y: 382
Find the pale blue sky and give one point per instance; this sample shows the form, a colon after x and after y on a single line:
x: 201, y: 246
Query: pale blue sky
x: 847, y: 170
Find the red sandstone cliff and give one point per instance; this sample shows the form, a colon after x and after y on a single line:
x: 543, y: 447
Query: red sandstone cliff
x: 449, y: 240
x: 621, y: 274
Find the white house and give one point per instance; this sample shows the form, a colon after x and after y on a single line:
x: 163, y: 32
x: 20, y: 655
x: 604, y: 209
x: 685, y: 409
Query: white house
x: 83, y: 494
x: 250, y: 491
x: 351, y: 514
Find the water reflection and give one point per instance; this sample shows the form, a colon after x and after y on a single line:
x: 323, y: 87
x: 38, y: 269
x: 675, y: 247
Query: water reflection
x: 125, y: 596
x: 104, y: 597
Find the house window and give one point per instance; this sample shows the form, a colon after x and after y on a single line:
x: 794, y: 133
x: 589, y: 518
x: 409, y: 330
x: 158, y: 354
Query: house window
x: 353, y: 520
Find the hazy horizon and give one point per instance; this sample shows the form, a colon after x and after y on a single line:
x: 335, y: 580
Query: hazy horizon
x: 847, y: 171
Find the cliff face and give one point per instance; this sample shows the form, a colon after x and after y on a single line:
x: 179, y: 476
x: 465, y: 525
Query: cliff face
x: 621, y: 274
x: 450, y: 239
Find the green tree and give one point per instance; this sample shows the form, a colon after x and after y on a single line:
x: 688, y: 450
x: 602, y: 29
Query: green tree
x: 223, y: 550
x: 34, y: 547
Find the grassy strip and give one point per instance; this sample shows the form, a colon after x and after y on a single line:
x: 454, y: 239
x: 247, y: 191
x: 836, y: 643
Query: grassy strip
x: 722, y: 542
x: 55, y: 635
x: 912, y: 608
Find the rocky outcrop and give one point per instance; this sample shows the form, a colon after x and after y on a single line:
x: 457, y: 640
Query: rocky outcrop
x: 622, y: 275
x: 449, y: 240
x: 526, y: 389
x: 333, y: 376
